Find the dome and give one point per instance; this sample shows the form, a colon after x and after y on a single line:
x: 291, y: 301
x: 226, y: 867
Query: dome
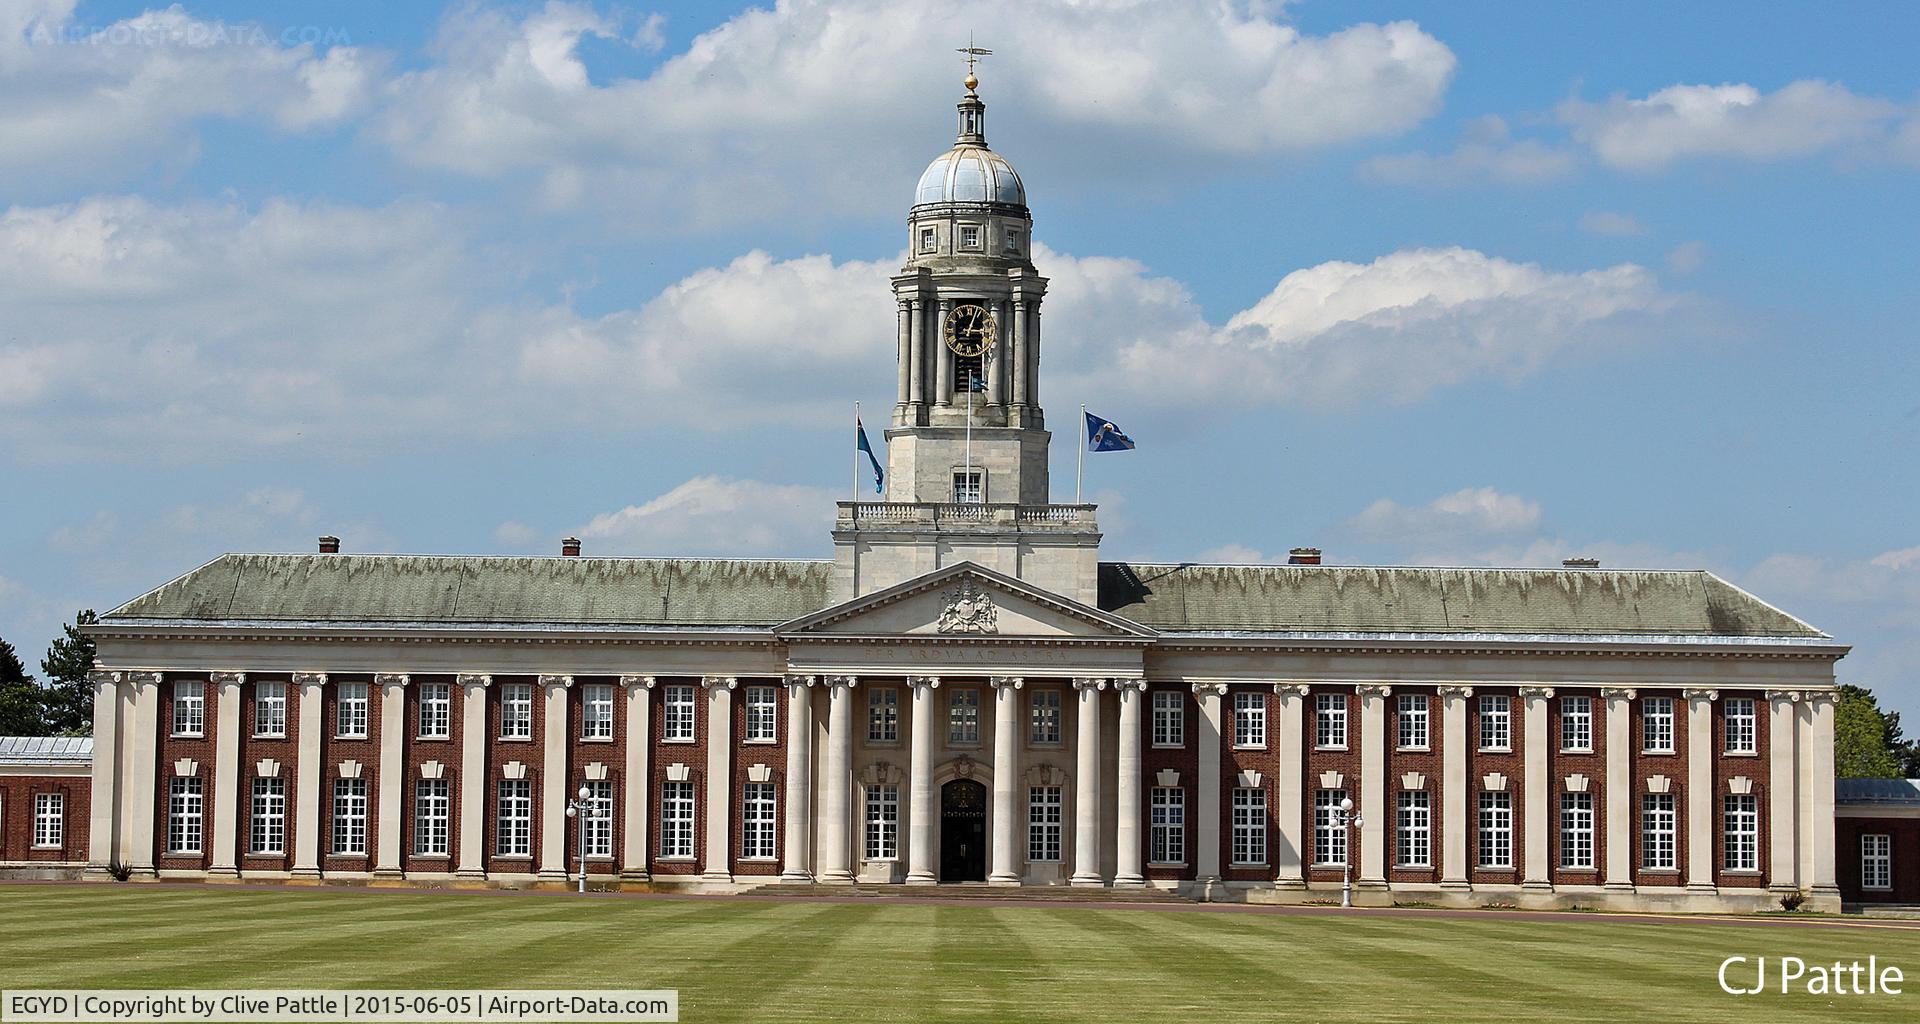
x: 970, y: 174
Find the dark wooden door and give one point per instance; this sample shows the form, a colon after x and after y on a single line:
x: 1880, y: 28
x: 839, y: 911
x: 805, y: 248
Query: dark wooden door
x: 963, y: 831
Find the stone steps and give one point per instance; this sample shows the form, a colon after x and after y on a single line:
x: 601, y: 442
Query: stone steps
x: 1022, y: 893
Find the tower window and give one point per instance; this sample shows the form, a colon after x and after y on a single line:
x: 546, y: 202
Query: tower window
x: 967, y: 370
x: 969, y: 236
x: 927, y: 241
x: 966, y: 487
x: 1013, y: 241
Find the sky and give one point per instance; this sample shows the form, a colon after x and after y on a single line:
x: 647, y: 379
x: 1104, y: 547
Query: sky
x: 1458, y: 284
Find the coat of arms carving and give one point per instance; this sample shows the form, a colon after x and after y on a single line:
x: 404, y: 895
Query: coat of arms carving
x: 969, y: 610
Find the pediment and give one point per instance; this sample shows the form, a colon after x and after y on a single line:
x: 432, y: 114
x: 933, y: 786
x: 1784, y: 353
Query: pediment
x: 966, y: 601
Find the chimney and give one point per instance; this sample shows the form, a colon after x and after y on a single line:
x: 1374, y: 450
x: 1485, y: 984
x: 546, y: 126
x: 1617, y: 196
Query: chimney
x: 570, y: 547
x: 1581, y: 563
x: 329, y: 545
x: 1303, y: 556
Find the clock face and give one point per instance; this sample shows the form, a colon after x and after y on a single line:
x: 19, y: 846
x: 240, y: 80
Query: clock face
x: 969, y: 330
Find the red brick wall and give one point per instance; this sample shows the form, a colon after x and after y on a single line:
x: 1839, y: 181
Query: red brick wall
x: 530, y: 752
x: 1232, y: 763
x: 1674, y: 767
x: 417, y: 751
x: 1431, y: 764
x: 1346, y: 762
x: 252, y: 750
x: 694, y: 756
x: 582, y: 752
x: 16, y: 816
x: 1905, y: 833
x: 773, y: 755
x: 1561, y: 764
x: 1186, y: 760
x: 174, y: 748
x: 1513, y: 765
x: 1754, y: 766
x: 334, y: 750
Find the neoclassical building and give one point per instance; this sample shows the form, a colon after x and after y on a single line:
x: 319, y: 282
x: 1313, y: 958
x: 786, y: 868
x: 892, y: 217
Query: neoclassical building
x: 966, y: 692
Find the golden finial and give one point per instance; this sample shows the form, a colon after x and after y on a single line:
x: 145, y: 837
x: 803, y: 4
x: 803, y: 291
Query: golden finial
x: 973, y: 54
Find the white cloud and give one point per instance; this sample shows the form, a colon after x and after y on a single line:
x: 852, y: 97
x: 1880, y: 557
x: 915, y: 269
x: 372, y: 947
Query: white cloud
x: 1731, y: 120
x: 710, y: 515
x: 813, y: 109
x: 1485, y: 153
x: 1872, y: 603
x: 1471, y: 514
x: 1608, y: 222
x: 102, y: 102
x: 1687, y: 257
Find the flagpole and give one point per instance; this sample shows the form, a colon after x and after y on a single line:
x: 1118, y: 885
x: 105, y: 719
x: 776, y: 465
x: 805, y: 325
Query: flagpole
x: 856, y: 450
x: 969, y: 476
x: 1080, y: 453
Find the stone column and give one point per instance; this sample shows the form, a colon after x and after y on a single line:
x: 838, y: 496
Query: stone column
x: 1032, y: 338
x: 1206, y: 810
x: 1454, y: 788
x: 1086, y: 784
x: 1817, y: 771
x: 942, y: 359
x: 719, y: 777
x: 1783, y: 800
x: 224, y: 807
x: 799, y: 820
x: 473, y: 776
x: 1005, y: 869
x: 554, y: 787
x: 638, y: 781
x: 921, y: 868
x: 1127, y: 795
x: 306, y: 778
x: 1289, y: 858
x: 1373, y: 785
x: 393, y: 771
x: 103, y: 826
x: 903, y: 352
x: 1700, y: 792
x: 835, y: 847
x: 1536, y: 746
x: 138, y: 801
x: 1620, y: 795
x: 1017, y: 353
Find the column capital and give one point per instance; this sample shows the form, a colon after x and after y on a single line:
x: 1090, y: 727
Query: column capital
x: 1707, y: 695
x: 1209, y: 689
x: 1005, y: 682
x: 1785, y: 696
x: 103, y: 677
x: 644, y: 682
x: 1454, y: 690
x: 1089, y: 683
x: 1291, y: 689
x: 1618, y: 693
x: 1373, y: 690
x: 227, y: 678
x: 1817, y: 697
x: 926, y: 682
x: 791, y: 680
x: 149, y: 677
x: 561, y: 681
x: 842, y: 682
x: 481, y: 680
x: 1129, y: 685
x: 390, y: 679
x: 724, y: 682
x: 309, y: 679
x: 1536, y: 692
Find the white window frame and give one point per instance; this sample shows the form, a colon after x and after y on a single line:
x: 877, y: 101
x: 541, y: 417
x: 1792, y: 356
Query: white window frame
x: 1496, y: 722
x: 763, y: 714
x: 1249, y: 806
x: 1876, y: 861
x: 1659, y: 832
x: 676, y: 820
x: 883, y: 714
x: 1494, y: 831
x: 186, y: 816
x: 1043, y: 823
x: 432, y: 818
x: 1742, y: 832
x: 963, y: 716
x: 1413, y: 730
x: 1576, y: 831
x: 596, y: 711
x: 436, y: 711
x: 347, y: 829
x: 1413, y: 829
x: 1168, y: 821
x: 1044, y: 716
x: 1743, y: 725
x: 1576, y: 725
x: 758, y: 807
x: 513, y: 818
x: 270, y: 709
x: 189, y: 707
x: 677, y: 716
x: 599, y: 823
x: 882, y: 820
x: 1013, y: 240
x: 968, y: 485
x: 1330, y: 721
x: 1329, y: 839
x: 1169, y: 719
x: 516, y: 711
x: 350, y: 703
x: 267, y: 824
x: 1250, y: 722
x: 976, y: 232
x: 929, y: 240
x: 49, y: 821
x: 1656, y: 725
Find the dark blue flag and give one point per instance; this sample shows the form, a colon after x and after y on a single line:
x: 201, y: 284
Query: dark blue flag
x: 1103, y: 436
x: 860, y: 443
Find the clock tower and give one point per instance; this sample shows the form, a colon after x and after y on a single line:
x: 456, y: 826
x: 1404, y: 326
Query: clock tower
x: 967, y: 447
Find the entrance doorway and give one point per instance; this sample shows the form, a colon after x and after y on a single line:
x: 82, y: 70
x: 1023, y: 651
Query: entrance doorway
x: 963, y: 831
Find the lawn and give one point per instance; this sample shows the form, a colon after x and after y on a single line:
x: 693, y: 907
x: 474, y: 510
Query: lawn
x: 767, y: 960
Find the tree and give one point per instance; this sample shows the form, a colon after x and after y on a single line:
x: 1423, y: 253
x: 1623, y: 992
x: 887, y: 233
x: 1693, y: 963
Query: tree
x: 1860, y: 737
x: 68, y: 692
x: 19, y: 696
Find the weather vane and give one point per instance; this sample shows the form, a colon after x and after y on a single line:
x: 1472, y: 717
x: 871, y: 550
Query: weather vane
x: 974, y: 53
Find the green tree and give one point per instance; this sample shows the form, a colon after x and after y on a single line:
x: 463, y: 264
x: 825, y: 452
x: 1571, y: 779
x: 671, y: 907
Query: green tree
x: 68, y: 694
x: 1860, y: 735
x: 19, y: 696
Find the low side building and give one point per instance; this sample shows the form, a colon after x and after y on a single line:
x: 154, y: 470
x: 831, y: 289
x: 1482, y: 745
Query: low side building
x: 1877, y: 839
x: 45, y: 805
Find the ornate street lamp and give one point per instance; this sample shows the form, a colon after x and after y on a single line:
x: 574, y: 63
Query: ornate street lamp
x: 577, y: 810
x: 1342, y: 818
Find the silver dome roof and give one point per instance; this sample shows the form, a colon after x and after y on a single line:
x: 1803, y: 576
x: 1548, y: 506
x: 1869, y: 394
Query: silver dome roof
x: 970, y: 174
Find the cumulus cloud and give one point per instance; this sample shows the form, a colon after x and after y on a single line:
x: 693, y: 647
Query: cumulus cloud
x: 1486, y: 152
x: 817, y: 109
x: 102, y: 102
x: 1470, y: 514
x: 1732, y: 120
x: 710, y: 515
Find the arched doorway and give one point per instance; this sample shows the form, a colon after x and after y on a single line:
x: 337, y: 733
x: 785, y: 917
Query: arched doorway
x: 963, y: 831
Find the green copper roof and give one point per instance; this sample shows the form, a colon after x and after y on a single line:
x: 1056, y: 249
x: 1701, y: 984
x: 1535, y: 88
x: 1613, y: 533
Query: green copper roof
x: 1392, y: 599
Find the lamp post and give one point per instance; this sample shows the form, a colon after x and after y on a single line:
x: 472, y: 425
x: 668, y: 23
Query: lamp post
x: 1343, y: 818
x: 577, y: 809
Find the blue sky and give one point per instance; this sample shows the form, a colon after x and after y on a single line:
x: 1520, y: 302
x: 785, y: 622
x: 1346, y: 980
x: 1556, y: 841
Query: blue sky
x: 1449, y: 283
